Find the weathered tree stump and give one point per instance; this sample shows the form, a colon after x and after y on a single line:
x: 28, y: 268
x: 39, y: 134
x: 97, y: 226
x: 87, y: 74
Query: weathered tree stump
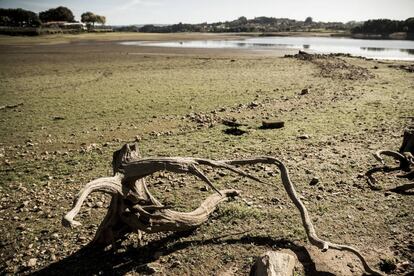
x: 407, y: 146
x: 405, y: 159
x: 272, y: 124
x: 133, y: 208
x: 273, y: 263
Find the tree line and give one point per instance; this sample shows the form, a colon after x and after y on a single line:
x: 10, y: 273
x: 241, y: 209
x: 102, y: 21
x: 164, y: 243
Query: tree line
x: 271, y: 24
x: 385, y: 26
x: 257, y: 24
x: 25, y: 18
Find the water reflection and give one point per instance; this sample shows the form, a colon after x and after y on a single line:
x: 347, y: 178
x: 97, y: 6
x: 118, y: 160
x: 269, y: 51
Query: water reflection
x: 378, y: 49
x: 374, y: 49
x: 410, y: 51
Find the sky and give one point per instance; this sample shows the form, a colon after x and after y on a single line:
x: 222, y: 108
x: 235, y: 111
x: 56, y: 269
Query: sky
x: 126, y: 12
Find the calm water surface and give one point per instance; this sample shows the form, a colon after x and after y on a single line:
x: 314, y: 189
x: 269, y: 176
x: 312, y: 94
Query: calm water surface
x: 377, y: 49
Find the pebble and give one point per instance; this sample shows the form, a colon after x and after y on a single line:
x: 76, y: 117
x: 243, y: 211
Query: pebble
x: 304, y: 136
x: 314, y: 181
x: 204, y: 189
x: 32, y: 262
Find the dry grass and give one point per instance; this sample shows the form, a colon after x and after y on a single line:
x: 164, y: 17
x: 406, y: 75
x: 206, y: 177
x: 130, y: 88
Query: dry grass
x: 108, y: 94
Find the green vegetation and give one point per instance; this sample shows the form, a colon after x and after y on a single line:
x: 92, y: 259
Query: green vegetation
x: 57, y: 14
x: 51, y: 21
x: 385, y: 27
x: 257, y: 24
x: 18, y: 18
x: 91, y: 18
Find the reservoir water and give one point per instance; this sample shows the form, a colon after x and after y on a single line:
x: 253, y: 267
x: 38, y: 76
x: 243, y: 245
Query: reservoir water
x: 377, y: 49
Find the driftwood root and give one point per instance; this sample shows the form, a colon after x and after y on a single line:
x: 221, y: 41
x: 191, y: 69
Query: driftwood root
x: 133, y: 208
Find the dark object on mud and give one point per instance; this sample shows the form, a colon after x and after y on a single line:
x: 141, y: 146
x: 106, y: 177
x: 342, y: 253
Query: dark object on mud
x: 11, y: 106
x: 314, y: 181
x: 408, y: 68
x: 58, y: 118
x: 234, y: 127
x: 134, y: 209
x: 232, y: 123
x: 405, y: 157
x: 387, y: 265
x: 234, y: 131
x: 272, y: 124
x: 304, y: 91
x: 304, y: 136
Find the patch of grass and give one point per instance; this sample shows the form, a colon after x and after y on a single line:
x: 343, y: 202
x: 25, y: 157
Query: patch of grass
x: 239, y: 211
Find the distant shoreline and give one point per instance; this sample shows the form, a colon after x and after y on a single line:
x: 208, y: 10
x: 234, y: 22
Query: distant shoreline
x: 128, y: 36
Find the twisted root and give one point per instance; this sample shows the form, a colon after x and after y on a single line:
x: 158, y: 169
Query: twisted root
x: 149, y: 215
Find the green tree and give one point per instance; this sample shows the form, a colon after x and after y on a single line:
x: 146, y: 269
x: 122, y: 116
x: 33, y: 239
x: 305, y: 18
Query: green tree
x: 91, y: 18
x: 18, y: 18
x: 88, y: 18
x: 57, y: 14
x: 308, y: 20
x: 409, y: 25
x: 101, y: 19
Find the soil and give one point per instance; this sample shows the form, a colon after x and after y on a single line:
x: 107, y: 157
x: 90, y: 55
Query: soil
x: 68, y: 106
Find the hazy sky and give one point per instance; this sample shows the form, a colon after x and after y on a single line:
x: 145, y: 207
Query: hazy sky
x: 122, y: 12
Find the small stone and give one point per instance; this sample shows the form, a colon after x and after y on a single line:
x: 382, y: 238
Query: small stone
x: 32, y: 262
x: 82, y: 239
x: 204, y: 189
x: 152, y: 268
x: 248, y: 203
x: 304, y: 136
x: 176, y: 264
x: 314, y: 181
x: 55, y: 235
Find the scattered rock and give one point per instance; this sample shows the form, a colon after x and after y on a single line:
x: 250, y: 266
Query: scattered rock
x: 232, y: 123
x: 10, y: 106
x: 274, y: 263
x: 204, y: 189
x: 58, y: 118
x: 234, y: 131
x: 304, y: 91
x: 408, y: 68
x: 32, y: 262
x: 304, y: 136
x: 314, y: 181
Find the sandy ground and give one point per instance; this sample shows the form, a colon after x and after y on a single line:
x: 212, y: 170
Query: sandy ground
x: 69, y: 105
